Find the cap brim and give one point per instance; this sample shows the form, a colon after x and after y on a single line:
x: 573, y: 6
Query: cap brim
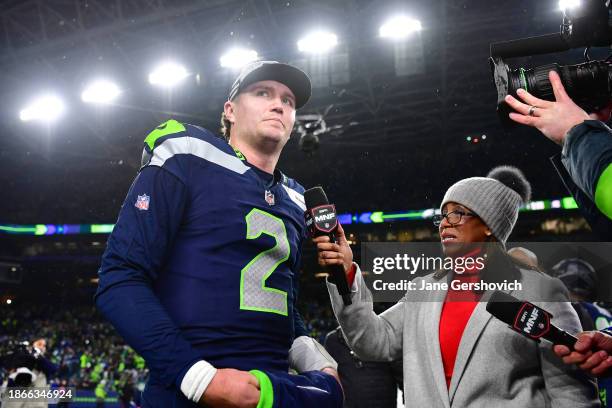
x: 294, y: 78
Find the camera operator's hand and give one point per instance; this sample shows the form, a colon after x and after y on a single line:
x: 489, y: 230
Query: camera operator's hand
x: 40, y: 346
x: 553, y: 119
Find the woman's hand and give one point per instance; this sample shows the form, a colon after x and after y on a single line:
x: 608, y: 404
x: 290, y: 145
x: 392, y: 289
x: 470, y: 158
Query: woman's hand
x: 339, y: 253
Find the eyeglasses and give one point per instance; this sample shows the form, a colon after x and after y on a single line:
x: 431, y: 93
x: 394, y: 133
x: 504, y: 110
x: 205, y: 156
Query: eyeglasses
x: 453, y: 217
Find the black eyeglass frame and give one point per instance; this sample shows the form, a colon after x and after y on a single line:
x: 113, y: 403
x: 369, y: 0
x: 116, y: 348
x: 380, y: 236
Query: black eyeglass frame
x: 437, y: 219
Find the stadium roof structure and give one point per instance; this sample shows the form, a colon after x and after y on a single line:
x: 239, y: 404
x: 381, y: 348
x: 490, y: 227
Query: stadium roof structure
x: 401, y: 110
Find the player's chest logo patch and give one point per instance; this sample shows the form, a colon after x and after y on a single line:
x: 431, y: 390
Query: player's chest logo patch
x: 142, y: 203
x: 269, y: 197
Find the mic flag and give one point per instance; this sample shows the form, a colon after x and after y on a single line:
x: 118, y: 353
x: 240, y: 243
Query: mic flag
x: 527, y: 319
x: 321, y: 219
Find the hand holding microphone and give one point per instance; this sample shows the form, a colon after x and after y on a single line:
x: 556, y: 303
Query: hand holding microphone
x: 592, y: 353
x: 527, y: 319
x: 338, y: 253
x: 334, y: 252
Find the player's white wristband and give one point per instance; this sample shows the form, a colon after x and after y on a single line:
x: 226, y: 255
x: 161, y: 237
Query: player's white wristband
x: 197, y: 379
x: 307, y: 354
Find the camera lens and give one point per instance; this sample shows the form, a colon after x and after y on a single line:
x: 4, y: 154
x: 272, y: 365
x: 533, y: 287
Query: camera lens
x: 588, y: 84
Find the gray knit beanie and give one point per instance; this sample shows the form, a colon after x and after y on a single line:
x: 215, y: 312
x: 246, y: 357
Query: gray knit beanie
x: 495, y: 199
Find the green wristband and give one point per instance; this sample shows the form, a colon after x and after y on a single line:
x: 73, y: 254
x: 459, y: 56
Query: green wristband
x: 266, y: 392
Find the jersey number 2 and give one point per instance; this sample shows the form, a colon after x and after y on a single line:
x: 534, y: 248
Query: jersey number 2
x: 254, y: 294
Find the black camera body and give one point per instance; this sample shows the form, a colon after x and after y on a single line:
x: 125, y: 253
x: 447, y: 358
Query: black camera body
x: 309, y: 127
x: 23, y: 359
x: 589, y: 84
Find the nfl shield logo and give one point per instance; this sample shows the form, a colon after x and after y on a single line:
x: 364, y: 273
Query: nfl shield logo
x: 142, y: 203
x: 269, y: 197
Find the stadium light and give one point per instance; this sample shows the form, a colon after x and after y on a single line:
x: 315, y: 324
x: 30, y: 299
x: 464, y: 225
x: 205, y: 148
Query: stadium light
x: 568, y: 4
x: 100, y: 91
x: 317, y: 42
x: 399, y: 27
x: 46, y: 108
x: 168, y: 75
x: 9, y: 301
x: 236, y: 58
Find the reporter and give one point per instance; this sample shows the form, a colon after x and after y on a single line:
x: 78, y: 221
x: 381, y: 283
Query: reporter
x: 586, y: 148
x: 454, y: 354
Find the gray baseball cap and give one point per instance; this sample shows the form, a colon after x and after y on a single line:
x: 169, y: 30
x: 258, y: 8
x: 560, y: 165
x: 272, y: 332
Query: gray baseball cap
x: 294, y: 78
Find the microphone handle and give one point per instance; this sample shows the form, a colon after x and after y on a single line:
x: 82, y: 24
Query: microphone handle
x: 339, y: 278
x: 558, y: 336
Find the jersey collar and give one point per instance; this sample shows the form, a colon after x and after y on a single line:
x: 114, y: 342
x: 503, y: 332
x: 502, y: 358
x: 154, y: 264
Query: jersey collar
x: 279, y: 177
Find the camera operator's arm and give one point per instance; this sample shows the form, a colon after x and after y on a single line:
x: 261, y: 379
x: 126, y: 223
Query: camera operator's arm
x: 587, y: 143
x: 45, y: 365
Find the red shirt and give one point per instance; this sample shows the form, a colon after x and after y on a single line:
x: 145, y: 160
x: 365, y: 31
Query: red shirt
x: 456, y: 311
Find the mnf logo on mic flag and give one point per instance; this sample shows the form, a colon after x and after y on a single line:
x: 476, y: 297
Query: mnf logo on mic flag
x: 321, y: 218
x: 532, y: 321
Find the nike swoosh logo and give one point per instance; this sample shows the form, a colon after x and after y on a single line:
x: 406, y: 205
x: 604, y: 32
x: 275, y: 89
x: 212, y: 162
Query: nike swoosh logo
x: 310, y: 388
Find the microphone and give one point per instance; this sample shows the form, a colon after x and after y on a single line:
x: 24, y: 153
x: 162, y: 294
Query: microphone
x: 320, y: 218
x: 527, y: 319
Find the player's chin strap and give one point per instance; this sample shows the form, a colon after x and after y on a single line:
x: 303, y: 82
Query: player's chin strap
x: 307, y: 354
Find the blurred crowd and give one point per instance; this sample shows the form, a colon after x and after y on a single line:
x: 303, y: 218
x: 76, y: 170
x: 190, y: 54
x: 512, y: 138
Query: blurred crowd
x: 85, y: 350
x: 90, y: 355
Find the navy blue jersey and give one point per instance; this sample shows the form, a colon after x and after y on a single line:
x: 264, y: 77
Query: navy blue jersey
x: 203, y: 261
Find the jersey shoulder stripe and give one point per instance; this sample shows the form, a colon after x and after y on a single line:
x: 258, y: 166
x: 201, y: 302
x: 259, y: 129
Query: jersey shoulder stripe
x: 199, y: 148
x: 208, y: 136
x: 173, y: 139
x: 170, y: 127
x: 296, y: 197
x: 173, y: 128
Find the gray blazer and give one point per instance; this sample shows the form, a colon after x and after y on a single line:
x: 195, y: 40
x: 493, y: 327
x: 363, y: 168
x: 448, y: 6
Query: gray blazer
x: 495, y: 366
